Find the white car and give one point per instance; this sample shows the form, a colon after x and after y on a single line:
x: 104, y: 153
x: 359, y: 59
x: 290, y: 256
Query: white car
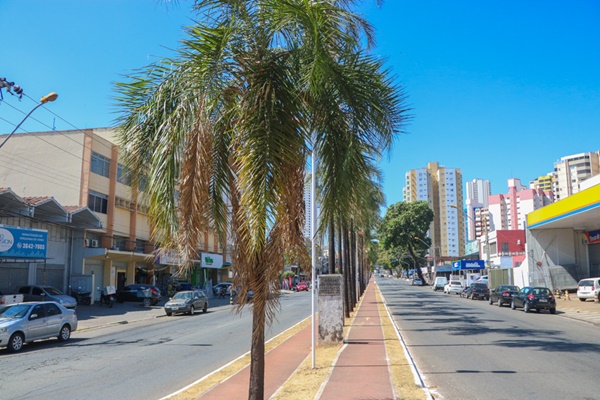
x: 455, y: 287
x: 588, y: 288
x: 483, y: 279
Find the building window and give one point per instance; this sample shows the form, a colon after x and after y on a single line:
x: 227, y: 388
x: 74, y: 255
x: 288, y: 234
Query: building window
x: 123, y: 175
x: 505, y: 247
x: 100, y: 164
x: 98, y: 202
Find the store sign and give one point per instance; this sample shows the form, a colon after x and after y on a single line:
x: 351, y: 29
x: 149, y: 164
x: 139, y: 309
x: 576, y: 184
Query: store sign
x: 593, y: 236
x: 468, y: 265
x: 212, y: 260
x: 18, y: 242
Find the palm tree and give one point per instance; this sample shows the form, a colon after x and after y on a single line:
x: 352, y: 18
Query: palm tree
x: 230, y: 121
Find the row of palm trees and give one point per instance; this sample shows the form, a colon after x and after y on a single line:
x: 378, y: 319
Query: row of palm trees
x: 223, y: 132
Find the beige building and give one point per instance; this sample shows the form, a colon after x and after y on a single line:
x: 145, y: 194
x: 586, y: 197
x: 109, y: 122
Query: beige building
x: 81, y: 167
x: 441, y: 187
x: 571, y: 170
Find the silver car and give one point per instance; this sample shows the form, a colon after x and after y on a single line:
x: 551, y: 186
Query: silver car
x: 187, y: 301
x: 47, y: 293
x: 25, y: 322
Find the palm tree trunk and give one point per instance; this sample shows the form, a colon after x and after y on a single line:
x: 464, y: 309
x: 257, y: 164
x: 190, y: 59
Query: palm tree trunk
x: 257, y: 354
x: 347, y: 276
x: 331, y: 246
x: 353, y: 265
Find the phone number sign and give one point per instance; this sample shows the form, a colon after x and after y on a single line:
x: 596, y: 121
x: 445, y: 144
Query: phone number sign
x: 23, y: 243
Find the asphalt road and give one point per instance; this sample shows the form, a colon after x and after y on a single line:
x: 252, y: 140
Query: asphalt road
x: 146, y: 360
x: 468, y: 349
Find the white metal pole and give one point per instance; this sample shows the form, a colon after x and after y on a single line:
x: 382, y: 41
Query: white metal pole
x: 313, y: 230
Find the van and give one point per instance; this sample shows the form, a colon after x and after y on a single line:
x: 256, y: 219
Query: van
x: 439, y: 283
x: 588, y: 289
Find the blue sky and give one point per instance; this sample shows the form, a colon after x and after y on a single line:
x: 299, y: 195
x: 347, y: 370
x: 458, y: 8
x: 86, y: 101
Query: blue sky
x: 499, y: 89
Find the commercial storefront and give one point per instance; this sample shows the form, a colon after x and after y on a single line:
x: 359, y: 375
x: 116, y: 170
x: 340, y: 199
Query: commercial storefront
x: 563, y: 242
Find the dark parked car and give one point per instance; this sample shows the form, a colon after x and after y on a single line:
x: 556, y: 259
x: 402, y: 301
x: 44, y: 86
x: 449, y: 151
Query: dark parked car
x: 534, y: 298
x: 503, y: 294
x: 187, y: 302
x: 147, y: 294
x: 476, y: 291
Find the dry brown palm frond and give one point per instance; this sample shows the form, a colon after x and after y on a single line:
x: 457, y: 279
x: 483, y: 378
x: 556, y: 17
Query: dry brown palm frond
x: 194, y: 198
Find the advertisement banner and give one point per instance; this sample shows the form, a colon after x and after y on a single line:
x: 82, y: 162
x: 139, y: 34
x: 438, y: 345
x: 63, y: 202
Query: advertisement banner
x: 593, y: 236
x: 18, y: 242
x: 211, y: 260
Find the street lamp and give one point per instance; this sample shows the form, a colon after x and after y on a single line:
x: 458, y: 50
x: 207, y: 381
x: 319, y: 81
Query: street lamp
x: 47, y: 98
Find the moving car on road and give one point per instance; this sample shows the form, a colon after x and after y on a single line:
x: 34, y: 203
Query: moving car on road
x: 503, y: 294
x: 534, y: 298
x: 302, y: 286
x: 187, y: 301
x: 25, y: 322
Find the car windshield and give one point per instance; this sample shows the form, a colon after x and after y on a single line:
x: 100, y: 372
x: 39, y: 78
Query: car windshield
x: 586, y: 283
x: 52, y: 291
x: 541, y: 291
x: 16, y: 311
x: 510, y: 288
x: 183, y: 295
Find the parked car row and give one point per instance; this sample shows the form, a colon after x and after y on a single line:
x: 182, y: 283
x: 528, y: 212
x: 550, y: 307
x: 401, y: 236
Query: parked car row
x: 529, y: 298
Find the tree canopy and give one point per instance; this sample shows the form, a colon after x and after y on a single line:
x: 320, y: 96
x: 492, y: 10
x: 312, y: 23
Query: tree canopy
x: 403, y: 233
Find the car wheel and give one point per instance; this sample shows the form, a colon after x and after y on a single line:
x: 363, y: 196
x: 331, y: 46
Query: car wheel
x: 169, y: 314
x: 513, y: 306
x: 205, y: 308
x: 580, y: 299
x: 499, y: 302
x: 191, y: 310
x: 146, y: 302
x: 553, y: 311
x: 15, y: 343
x: 491, y: 302
x: 526, y: 307
x: 65, y: 333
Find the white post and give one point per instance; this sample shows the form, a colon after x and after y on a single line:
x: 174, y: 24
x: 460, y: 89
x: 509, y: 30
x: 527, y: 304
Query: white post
x: 313, y: 230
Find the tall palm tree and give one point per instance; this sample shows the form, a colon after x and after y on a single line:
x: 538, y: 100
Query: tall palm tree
x: 230, y: 121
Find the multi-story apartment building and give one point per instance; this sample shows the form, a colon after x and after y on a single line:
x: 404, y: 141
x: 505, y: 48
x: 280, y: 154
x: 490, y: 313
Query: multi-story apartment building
x: 509, y: 211
x: 82, y: 168
x: 478, y: 192
x: 545, y: 182
x: 571, y: 170
x: 441, y: 187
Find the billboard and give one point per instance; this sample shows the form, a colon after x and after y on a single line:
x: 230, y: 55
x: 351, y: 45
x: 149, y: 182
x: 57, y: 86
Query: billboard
x: 18, y: 242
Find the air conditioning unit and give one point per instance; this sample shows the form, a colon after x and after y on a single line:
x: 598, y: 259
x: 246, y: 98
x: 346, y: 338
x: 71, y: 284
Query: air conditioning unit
x: 86, y: 242
x: 94, y: 243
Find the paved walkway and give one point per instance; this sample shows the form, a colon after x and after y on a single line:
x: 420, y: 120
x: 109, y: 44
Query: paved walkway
x: 361, y: 370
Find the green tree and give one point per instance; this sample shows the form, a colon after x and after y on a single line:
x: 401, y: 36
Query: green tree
x: 223, y: 132
x: 403, y: 232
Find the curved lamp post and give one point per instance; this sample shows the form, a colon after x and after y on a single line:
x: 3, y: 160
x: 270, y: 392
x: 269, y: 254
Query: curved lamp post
x: 47, y: 98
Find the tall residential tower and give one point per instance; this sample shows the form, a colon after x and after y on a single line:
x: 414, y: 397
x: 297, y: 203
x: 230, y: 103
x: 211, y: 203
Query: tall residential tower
x: 441, y: 187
